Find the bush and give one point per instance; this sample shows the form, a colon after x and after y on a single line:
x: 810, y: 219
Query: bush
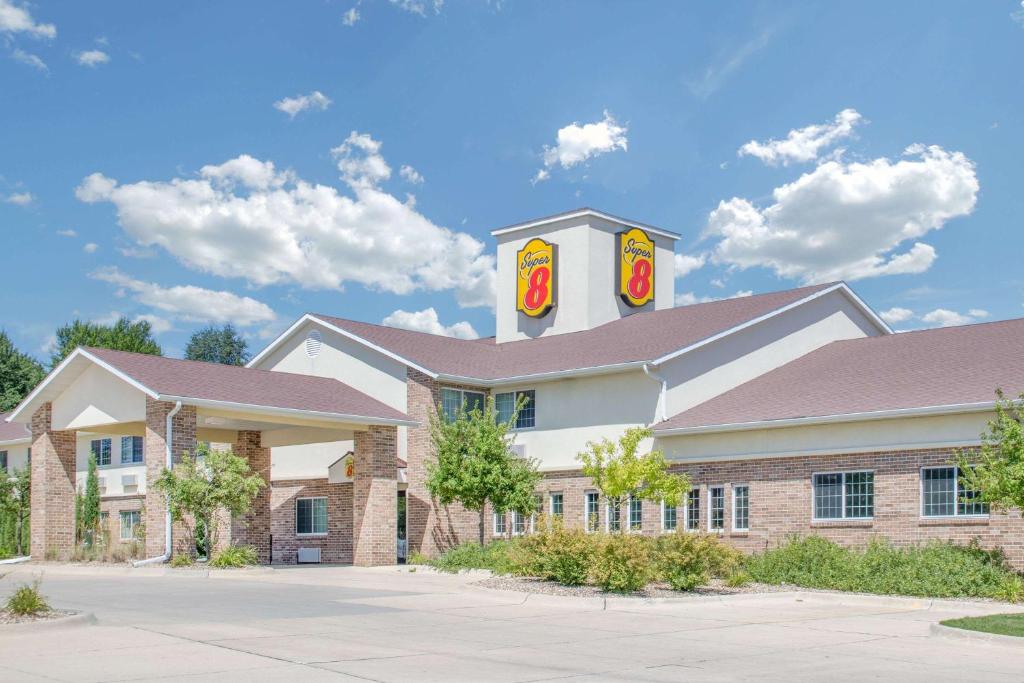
x: 495, y: 556
x: 622, y: 563
x: 737, y: 579
x: 235, y: 556
x: 182, y: 560
x: 27, y: 600
x: 417, y: 558
x: 555, y: 553
x: 686, y: 560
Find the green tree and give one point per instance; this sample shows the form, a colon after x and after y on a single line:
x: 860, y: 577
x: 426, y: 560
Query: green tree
x: 205, y: 484
x: 19, y: 374
x: 22, y: 508
x: 475, y: 464
x: 618, y: 472
x: 123, y: 335
x: 996, y: 470
x: 91, y: 503
x: 218, y: 345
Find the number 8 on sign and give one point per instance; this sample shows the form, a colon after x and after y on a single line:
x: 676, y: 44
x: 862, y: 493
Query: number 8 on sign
x: 535, y: 278
x: 635, y: 259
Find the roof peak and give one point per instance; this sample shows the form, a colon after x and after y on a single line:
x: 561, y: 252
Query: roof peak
x: 584, y: 211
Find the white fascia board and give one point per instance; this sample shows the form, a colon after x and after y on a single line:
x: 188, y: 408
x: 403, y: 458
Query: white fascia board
x: 78, y: 352
x: 271, y: 411
x: 832, y: 419
x: 277, y: 341
x: 865, y: 309
x: 26, y: 441
x: 543, y: 376
x: 579, y: 214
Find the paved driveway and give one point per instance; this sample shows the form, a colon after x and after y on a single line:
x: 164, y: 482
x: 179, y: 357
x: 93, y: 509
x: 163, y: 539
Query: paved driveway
x: 314, y: 624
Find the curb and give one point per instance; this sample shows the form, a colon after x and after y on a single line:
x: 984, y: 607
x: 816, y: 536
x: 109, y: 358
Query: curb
x: 975, y: 636
x: 84, y: 619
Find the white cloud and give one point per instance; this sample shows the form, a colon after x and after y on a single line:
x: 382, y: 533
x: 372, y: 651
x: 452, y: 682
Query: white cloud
x: 410, y: 175
x: 300, y: 103
x: 845, y: 220
x: 978, y: 313
x: 15, y: 19
x: 689, y: 298
x: 29, y: 59
x: 419, y: 6
x: 90, y: 248
x: 686, y: 264
x: 1018, y: 15
x: 350, y: 17
x: 896, y: 315
x: 715, y: 75
x: 803, y: 144
x: 67, y: 233
x: 246, y: 219
x: 92, y: 58
x: 943, y: 317
x: 137, y: 252
x: 577, y: 143
x: 20, y: 198
x: 190, y: 303
x: 159, y: 325
x: 427, y: 321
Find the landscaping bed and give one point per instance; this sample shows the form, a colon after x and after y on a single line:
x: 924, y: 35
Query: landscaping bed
x: 8, y: 617
x: 999, y: 624
x: 524, y: 584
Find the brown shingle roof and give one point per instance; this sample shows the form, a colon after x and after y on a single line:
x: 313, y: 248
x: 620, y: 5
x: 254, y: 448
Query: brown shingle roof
x: 941, y: 367
x: 12, y: 431
x: 231, y: 384
x: 638, y: 337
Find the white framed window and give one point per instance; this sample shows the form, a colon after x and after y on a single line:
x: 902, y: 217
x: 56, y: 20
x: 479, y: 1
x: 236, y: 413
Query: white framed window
x: 131, y: 449
x: 636, y: 514
x: 612, y: 517
x: 591, y: 507
x: 505, y: 405
x: 668, y: 517
x: 693, y: 509
x: 101, y: 449
x: 556, y: 504
x: 311, y: 516
x: 3, y: 460
x: 519, y: 521
x: 130, y: 519
x: 499, y: 524
x: 943, y: 494
x: 740, y: 507
x: 844, y: 495
x: 455, y: 401
x: 716, y: 508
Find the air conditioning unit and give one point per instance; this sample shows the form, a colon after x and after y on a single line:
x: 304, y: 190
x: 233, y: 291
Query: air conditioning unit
x: 103, y: 484
x: 309, y: 556
x: 519, y: 450
x: 129, y: 480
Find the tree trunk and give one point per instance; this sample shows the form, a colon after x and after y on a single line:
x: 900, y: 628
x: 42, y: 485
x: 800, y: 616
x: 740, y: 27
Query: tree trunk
x: 18, y: 531
x: 483, y: 518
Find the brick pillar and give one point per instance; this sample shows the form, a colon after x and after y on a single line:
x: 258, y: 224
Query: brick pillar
x: 375, y: 498
x: 183, y: 429
x: 253, y: 528
x: 52, y: 519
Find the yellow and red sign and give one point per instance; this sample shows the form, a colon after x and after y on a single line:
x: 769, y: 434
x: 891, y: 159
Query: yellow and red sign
x: 636, y: 267
x: 536, y: 266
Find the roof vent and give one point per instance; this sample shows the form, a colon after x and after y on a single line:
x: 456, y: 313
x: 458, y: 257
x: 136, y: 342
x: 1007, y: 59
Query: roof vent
x: 313, y: 343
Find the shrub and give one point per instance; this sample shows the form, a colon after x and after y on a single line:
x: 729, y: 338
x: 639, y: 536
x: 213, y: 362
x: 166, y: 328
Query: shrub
x: 27, y: 600
x: 417, y: 558
x: 811, y: 562
x: 737, y: 579
x: 495, y: 556
x: 235, y: 556
x: 622, y: 563
x: 686, y: 560
x: 182, y: 560
x: 555, y: 553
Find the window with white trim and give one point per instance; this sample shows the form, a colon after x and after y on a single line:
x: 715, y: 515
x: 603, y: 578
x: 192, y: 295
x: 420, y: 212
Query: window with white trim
x: 518, y: 523
x: 3, y: 460
x: 716, y: 508
x: 101, y: 449
x: 668, y: 517
x: 311, y: 516
x: 131, y: 449
x: 943, y: 494
x: 557, y: 504
x: 612, y: 519
x: 741, y: 507
x: 693, y: 510
x: 130, y: 520
x: 455, y: 401
x: 844, y: 495
x: 590, y: 511
x: 636, y: 514
x: 499, y: 524
x: 505, y: 405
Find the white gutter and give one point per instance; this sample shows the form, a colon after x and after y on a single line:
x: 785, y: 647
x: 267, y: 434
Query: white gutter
x: 832, y: 419
x: 543, y: 376
x: 289, y: 412
x: 16, y: 560
x: 169, y: 451
x: 662, y: 399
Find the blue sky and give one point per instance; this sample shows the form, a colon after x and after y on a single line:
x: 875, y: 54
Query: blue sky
x: 246, y: 162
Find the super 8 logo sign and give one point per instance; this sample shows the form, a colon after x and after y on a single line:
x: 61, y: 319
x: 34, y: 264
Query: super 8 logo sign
x: 636, y: 267
x: 535, y: 277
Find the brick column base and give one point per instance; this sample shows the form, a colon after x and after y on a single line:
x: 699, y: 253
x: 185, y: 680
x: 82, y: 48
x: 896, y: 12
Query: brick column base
x: 375, y: 497
x: 52, y: 519
x: 253, y: 528
x: 183, y: 428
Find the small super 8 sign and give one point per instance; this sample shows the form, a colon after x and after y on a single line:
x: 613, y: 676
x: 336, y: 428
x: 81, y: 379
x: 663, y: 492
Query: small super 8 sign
x: 636, y: 267
x: 535, y: 278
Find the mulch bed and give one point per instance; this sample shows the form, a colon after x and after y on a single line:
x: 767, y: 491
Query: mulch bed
x: 9, y: 618
x: 654, y: 590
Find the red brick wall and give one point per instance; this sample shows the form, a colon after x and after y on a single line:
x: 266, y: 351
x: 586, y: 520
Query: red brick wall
x: 375, y: 497
x: 52, y: 521
x: 336, y: 546
x: 113, y: 507
x: 253, y: 528
x: 184, y: 439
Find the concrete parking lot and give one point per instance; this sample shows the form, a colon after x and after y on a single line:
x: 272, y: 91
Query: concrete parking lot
x: 342, y: 623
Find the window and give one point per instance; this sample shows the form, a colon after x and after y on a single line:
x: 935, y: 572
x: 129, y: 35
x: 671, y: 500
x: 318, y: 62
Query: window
x: 611, y: 515
x: 455, y: 401
x: 943, y: 494
x: 101, y: 449
x: 590, y: 511
x: 131, y: 449
x: 557, y: 505
x: 505, y: 405
x: 636, y: 514
x: 693, y: 510
x: 844, y: 495
x: 3, y: 460
x: 538, y: 510
x: 130, y: 519
x: 104, y: 521
x: 311, y: 516
x: 518, y: 523
x: 741, y: 508
x: 499, y: 524
x: 716, y: 508
x: 668, y: 517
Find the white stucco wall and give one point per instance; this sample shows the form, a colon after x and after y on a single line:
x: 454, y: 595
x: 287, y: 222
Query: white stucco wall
x: 848, y: 437
x: 97, y: 397
x: 114, y: 473
x: 586, y: 283
x: 17, y: 457
x: 308, y: 461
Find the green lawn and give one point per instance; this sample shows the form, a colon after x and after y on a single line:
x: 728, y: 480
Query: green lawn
x: 1003, y: 624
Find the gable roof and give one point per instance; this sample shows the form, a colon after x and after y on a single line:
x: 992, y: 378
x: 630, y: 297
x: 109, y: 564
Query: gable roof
x: 227, y: 386
x: 12, y: 433
x: 650, y: 337
x: 585, y: 211
x: 953, y: 369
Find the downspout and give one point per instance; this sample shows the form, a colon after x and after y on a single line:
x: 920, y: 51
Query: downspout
x: 168, y: 450
x: 662, y: 398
